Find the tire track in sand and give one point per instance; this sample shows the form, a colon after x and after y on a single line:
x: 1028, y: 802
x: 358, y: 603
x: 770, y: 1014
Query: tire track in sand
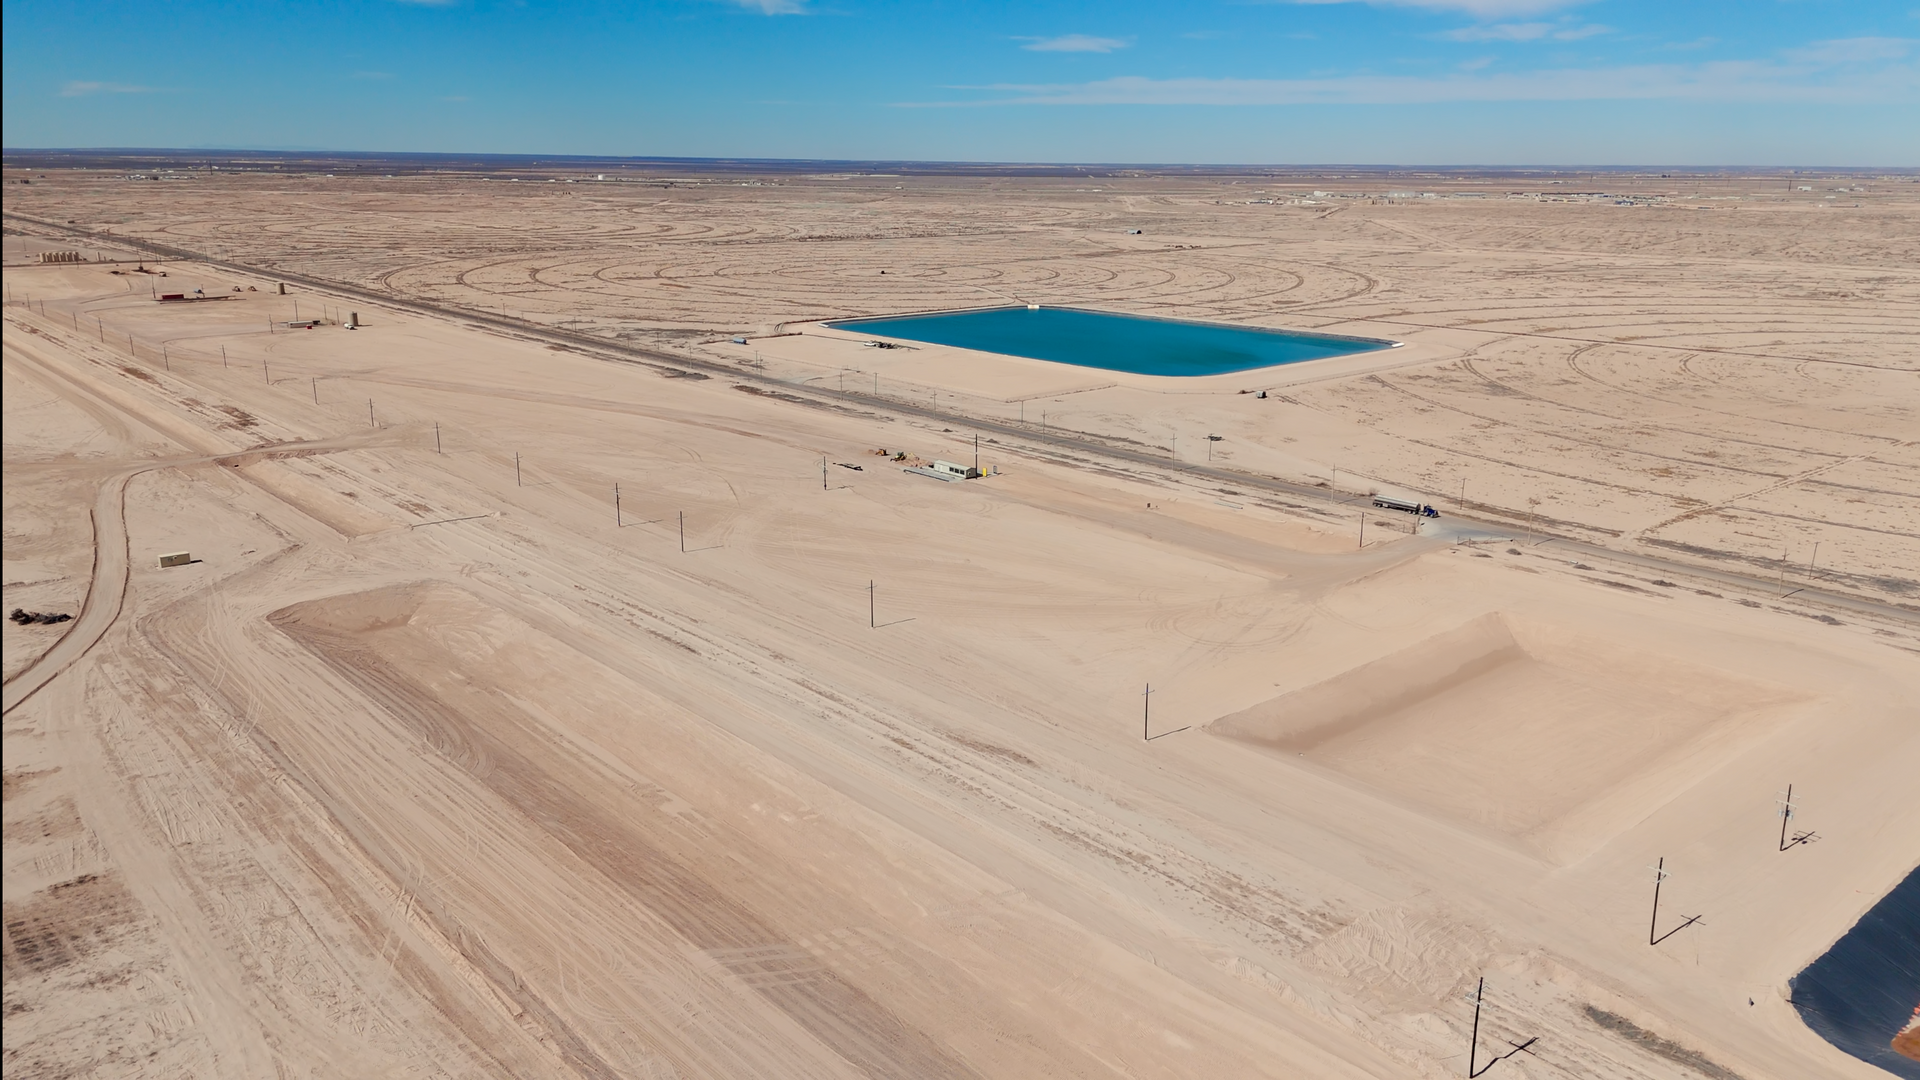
x: 112, y: 554
x: 483, y: 736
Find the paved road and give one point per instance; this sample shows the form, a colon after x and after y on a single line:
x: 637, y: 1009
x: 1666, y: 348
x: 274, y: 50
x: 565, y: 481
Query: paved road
x: 1074, y: 442
x: 1464, y: 526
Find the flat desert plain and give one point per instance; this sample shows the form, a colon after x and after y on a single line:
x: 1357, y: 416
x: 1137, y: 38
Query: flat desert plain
x: 561, y: 687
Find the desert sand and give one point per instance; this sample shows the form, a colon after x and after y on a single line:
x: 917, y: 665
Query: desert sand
x: 561, y: 688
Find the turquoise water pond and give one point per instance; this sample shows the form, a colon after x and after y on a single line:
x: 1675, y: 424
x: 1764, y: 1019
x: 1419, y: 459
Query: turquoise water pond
x: 1097, y: 339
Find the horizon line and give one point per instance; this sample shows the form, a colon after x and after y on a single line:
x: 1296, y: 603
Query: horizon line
x: 479, y: 157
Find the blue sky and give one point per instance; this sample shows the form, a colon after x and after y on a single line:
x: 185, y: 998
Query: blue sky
x: 1788, y: 82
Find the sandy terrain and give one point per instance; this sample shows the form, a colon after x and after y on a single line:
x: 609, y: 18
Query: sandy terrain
x: 439, y: 762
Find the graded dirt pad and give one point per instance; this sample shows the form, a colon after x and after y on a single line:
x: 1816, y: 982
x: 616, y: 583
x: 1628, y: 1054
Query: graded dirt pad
x: 533, y: 708
x: 448, y: 668
x: 1513, y: 726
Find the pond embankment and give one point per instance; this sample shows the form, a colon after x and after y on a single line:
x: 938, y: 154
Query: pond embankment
x: 1863, y: 990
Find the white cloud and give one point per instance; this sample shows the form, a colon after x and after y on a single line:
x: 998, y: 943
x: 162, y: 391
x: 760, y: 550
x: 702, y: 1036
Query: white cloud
x: 82, y: 89
x: 1529, y: 31
x: 774, y: 7
x: 1073, y: 43
x: 1479, y: 9
x: 1532, y: 31
x: 1575, y: 33
x: 1743, y: 80
x: 1859, y: 70
x: 1860, y: 50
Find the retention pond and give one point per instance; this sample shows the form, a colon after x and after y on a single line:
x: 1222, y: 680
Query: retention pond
x: 1859, y: 994
x: 1097, y: 339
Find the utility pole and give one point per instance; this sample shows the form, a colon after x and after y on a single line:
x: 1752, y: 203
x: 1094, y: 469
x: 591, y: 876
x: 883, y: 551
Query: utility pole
x: 1659, y: 875
x: 516, y: 480
x: 683, y: 532
x: 872, y: 624
x: 1654, y: 938
x: 1473, y: 1049
x: 1146, y: 713
x: 616, y: 506
x: 1786, y: 815
x: 223, y: 356
x: 1787, y: 811
x: 823, y: 472
x: 1363, y: 528
x: 370, y: 422
x: 436, y: 436
x: 316, y: 389
x: 976, y: 453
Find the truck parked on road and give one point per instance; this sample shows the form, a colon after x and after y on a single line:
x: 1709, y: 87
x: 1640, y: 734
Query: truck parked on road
x: 1407, y: 506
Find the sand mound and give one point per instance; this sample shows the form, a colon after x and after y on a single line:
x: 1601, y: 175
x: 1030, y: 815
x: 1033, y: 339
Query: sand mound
x: 1558, y: 739
x: 447, y: 665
